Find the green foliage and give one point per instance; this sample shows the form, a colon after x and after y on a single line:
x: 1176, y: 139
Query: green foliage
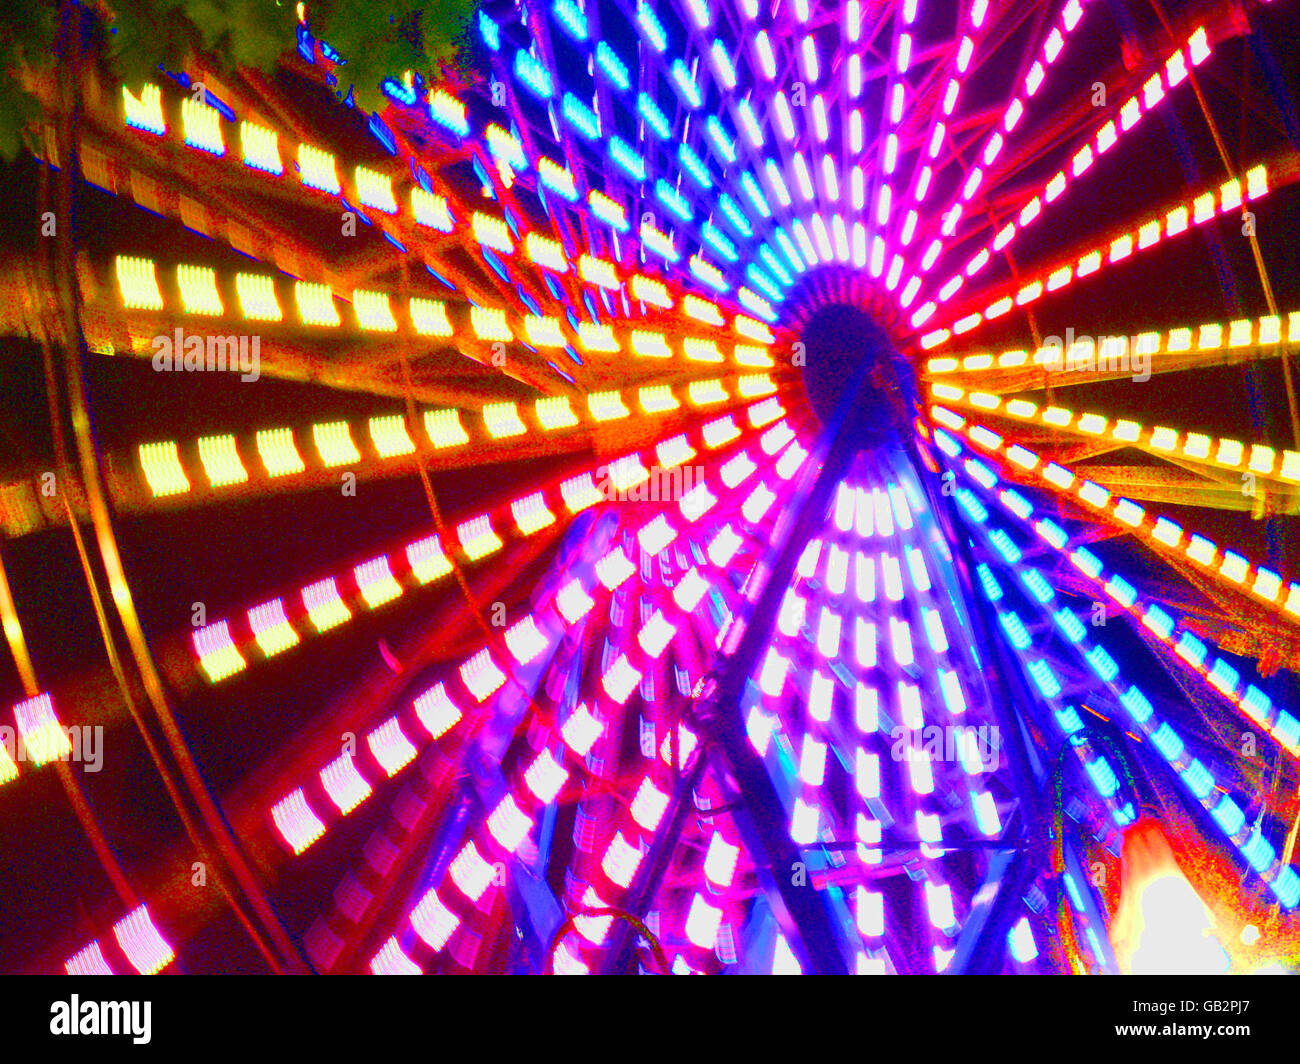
x: 385, y: 38
x: 146, y: 33
x: 377, y: 38
x: 27, y: 34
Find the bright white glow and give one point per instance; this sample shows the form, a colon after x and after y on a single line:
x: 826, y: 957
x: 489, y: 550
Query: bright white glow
x: 809, y: 56
x: 870, y: 912
x: 702, y: 923
x: 964, y: 53
x: 904, y: 52
x: 766, y: 58
x: 812, y: 762
x: 804, y: 823
x: 1175, y: 931
x: 821, y: 697
x: 866, y: 775
x: 938, y: 899
x: 866, y: 708
x: 828, y: 634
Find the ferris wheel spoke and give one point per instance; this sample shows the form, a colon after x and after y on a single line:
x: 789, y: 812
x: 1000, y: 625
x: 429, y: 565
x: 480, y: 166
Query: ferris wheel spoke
x: 362, y: 708
x: 995, y: 139
x: 1254, y: 586
x: 369, y: 187
x: 466, y: 870
x: 1111, y: 247
x: 933, y: 107
x: 1230, y: 822
x: 1121, y: 119
x: 222, y: 466
x: 1222, y: 464
x: 1089, y: 360
x: 281, y: 622
x: 1180, y: 635
x: 486, y: 338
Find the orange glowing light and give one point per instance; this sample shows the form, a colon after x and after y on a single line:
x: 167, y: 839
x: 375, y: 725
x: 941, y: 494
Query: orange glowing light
x: 1162, y: 926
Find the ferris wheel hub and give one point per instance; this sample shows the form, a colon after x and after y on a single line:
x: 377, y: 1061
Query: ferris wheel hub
x: 836, y: 339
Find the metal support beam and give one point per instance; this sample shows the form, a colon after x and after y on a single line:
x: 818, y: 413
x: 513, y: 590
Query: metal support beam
x: 802, y: 912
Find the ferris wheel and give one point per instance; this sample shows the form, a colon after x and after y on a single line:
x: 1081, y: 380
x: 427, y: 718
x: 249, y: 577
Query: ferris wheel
x: 711, y: 487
